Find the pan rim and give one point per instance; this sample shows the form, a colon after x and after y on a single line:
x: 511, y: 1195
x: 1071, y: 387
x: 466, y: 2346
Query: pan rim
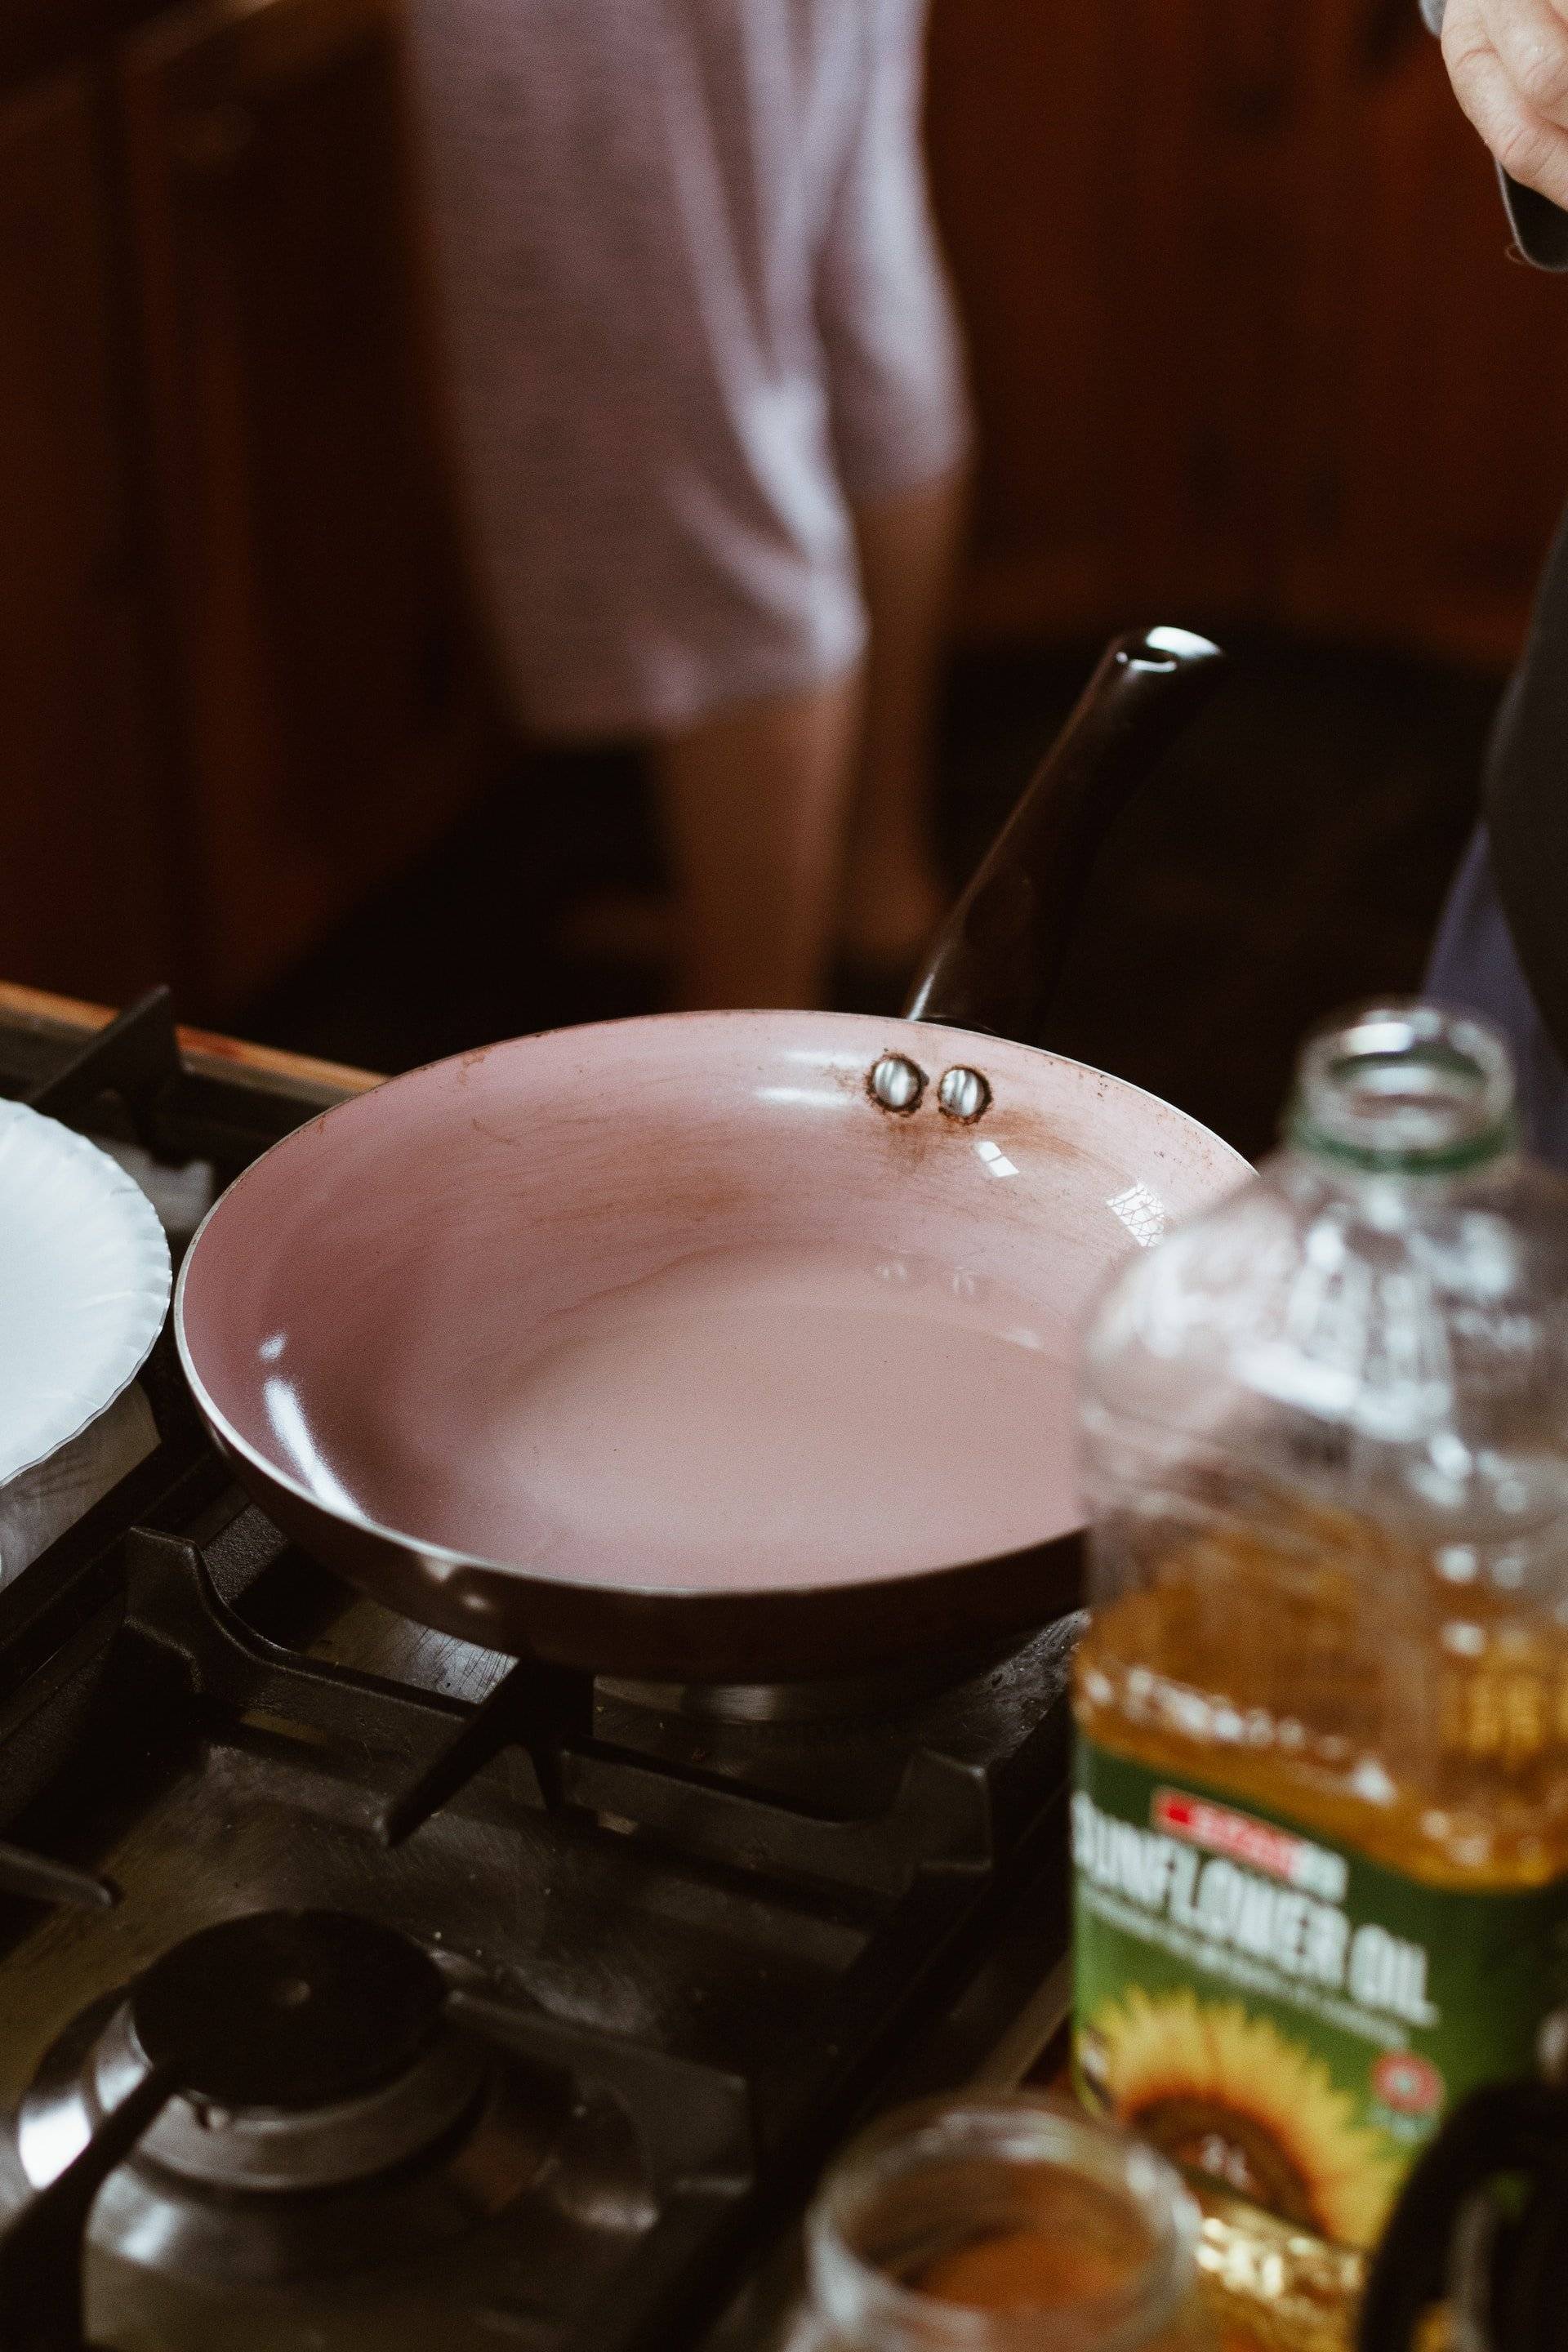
x: 448, y: 1562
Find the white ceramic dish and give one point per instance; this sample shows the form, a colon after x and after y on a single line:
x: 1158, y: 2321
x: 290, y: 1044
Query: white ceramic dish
x: 84, y: 1285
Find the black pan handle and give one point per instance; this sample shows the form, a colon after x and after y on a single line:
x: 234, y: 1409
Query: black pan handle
x: 1000, y: 955
x: 1512, y: 2131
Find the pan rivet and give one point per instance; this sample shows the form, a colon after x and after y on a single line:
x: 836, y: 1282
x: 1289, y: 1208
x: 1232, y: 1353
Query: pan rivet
x: 897, y: 1084
x: 963, y: 1094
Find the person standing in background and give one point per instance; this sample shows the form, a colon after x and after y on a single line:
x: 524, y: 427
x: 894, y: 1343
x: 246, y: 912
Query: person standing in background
x: 712, y: 434
x: 1502, y: 949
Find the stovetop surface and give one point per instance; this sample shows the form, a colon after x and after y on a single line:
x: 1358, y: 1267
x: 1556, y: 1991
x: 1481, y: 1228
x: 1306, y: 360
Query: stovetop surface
x: 696, y: 1947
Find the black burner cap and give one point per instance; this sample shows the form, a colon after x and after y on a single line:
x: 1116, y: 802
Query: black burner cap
x: 289, y: 2009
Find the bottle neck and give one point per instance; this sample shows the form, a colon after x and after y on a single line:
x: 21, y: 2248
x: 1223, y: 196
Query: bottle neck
x: 940, y: 2192
x: 1404, y: 1093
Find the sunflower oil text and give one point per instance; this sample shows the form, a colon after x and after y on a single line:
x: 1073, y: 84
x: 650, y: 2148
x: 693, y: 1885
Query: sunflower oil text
x: 1234, y: 1910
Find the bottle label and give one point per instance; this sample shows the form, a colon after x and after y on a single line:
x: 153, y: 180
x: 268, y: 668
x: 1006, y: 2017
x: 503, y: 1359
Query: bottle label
x: 1278, y: 2014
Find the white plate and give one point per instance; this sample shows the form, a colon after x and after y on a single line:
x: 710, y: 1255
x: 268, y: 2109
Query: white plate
x: 84, y: 1285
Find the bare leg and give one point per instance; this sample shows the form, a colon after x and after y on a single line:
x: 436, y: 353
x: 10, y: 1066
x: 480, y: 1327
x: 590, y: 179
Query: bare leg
x: 754, y: 801
x: 892, y: 894
x: 756, y: 798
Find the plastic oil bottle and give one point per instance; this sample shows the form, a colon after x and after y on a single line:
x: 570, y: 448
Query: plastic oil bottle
x: 1321, y: 1813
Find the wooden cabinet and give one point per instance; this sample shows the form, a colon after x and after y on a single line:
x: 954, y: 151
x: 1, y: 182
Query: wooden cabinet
x: 83, y: 845
x: 1245, y: 338
x: 239, y: 683
x: 331, y: 710
x: 1085, y: 162
x: 1434, y: 368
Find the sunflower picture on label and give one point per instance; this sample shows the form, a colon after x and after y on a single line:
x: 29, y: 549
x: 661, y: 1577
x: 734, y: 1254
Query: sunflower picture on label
x: 1229, y: 2096
x: 1286, y: 2021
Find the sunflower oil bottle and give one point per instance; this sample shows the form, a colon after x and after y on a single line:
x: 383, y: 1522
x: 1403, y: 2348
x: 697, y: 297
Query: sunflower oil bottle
x: 1320, y: 1812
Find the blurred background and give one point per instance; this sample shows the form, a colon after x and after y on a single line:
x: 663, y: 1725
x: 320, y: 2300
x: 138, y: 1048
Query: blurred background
x: 1249, y: 355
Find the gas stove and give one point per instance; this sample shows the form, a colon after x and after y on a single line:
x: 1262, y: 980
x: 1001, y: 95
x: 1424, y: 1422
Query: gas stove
x: 361, y: 1987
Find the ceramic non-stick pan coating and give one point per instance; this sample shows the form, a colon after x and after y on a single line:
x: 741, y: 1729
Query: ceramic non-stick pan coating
x: 474, y: 1338
x: 362, y: 1306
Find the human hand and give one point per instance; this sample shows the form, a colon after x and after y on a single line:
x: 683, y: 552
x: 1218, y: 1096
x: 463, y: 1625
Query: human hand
x: 1507, y: 60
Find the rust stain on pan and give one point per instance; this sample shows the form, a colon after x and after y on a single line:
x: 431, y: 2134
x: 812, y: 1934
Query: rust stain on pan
x: 495, y: 1134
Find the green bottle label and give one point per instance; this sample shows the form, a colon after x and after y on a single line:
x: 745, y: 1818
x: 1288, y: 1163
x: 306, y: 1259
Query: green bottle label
x: 1280, y: 2015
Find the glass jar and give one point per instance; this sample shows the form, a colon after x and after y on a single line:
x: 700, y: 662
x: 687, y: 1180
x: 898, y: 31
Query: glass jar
x: 1002, y: 2223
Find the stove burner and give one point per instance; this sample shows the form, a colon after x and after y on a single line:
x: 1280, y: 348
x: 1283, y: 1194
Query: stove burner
x: 871, y: 1697
x: 329, y: 2112
x: 291, y: 2010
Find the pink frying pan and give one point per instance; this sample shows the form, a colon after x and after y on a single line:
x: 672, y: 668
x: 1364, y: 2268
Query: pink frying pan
x: 717, y: 1346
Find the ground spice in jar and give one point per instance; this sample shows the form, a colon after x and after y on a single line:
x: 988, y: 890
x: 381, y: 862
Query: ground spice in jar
x: 1023, y: 2269
x: 999, y: 2223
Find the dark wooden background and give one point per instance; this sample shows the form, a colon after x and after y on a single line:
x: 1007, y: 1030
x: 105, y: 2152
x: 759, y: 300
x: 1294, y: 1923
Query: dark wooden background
x: 1245, y: 346
x: 1244, y: 332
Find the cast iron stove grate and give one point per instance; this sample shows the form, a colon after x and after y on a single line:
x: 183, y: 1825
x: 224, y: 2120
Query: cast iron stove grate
x: 692, y: 1950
